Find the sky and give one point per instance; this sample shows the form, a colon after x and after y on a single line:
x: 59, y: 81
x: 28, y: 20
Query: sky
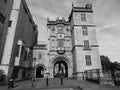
x: 106, y: 17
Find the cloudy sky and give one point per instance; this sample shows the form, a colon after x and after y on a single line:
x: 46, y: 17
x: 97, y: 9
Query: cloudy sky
x: 106, y: 18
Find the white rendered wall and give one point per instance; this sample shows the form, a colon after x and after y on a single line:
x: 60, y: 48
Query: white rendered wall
x: 10, y: 35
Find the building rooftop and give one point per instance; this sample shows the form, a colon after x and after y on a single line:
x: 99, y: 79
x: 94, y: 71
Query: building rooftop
x: 58, y: 21
x: 87, y: 8
x: 41, y: 45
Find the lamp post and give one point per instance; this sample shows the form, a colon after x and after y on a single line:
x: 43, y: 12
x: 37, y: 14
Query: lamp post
x: 33, y: 76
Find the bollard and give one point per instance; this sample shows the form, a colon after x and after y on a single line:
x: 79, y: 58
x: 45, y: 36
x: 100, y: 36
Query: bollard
x: 47, y: 84
x: 10, y: 83
x: 33, y: 83
x: 61, y: 80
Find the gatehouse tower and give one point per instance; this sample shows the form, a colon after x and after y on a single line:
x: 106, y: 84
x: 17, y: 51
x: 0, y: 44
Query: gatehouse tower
x: 72, y: 46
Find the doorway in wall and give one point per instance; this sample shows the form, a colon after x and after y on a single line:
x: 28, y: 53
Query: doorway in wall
x: 39, y: 72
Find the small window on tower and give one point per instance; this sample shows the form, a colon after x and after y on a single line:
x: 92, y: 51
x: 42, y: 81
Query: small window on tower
x: 67, y: 29
x: 86, y: 44
x: 88, y: 60
x: 53, y: 29
x: 53, y: 43
x: 83, y: 17
x: 85, y: 32
x: 39, y: 57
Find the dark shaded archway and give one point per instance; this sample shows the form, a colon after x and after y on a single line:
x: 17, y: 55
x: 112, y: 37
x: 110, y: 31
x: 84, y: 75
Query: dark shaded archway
x: 39, y: 72
x: 60, y: 69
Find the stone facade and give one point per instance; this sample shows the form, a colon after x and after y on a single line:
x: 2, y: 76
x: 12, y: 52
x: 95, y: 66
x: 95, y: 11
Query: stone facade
x: 60, y: 45
x: 80, y: 45
x: 21, y: 36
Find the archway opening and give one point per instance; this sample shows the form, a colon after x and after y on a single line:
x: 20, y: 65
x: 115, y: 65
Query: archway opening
x: 60, y: 69
x: 39, y: 72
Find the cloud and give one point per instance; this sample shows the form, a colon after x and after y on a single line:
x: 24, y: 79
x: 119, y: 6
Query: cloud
x: 106, y: 26
x: 98, y: 2
x: 106, y: 16
x: 108, y: 39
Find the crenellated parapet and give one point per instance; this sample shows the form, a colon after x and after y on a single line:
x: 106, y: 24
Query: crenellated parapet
x: 58, y: 21
x: 87, y: 8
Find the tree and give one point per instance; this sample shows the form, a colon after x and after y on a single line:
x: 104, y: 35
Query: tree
x: 107, y: 64
x: 105, y: 61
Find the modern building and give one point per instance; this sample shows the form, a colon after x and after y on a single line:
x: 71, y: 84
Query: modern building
x: 72, y: 45
x: 20, y: 37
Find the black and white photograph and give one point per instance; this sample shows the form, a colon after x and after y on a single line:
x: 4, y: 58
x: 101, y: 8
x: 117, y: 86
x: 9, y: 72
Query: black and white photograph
x: 59, y: 44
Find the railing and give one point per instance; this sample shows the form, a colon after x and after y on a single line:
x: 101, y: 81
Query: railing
x: 100, y: 76
x: 93, y: 75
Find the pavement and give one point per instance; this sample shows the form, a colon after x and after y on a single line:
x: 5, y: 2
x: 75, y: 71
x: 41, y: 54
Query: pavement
x: 55, y: 84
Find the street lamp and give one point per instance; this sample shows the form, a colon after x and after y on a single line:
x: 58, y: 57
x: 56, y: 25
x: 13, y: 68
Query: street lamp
x: 33, y: 76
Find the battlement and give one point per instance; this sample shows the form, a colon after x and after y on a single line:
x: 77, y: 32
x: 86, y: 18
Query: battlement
x: 58, y: 21
x: 87, y: 8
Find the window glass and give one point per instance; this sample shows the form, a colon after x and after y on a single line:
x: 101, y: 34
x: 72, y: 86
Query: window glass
x: 60, y: 42
x: 83, y: 17
x: 88, y: 60
x: 86, y: 44
x: 84, y: 28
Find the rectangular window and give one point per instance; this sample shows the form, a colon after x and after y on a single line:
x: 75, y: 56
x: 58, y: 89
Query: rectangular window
x: 60, y: 30
x: 52, y: 32
x: 84, y: 28
x: 39, y: 57
x: 86, y: 44
x: 60, y: 42
x: 53, y: 43
x: 88, y: 60
x: 9, y: 23
x: 68, y: 43
x: 17, y: 49
x: 83, y: 17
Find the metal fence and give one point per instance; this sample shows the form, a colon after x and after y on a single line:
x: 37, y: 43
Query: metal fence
x: 92, y: 75
x: 101, y: 76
